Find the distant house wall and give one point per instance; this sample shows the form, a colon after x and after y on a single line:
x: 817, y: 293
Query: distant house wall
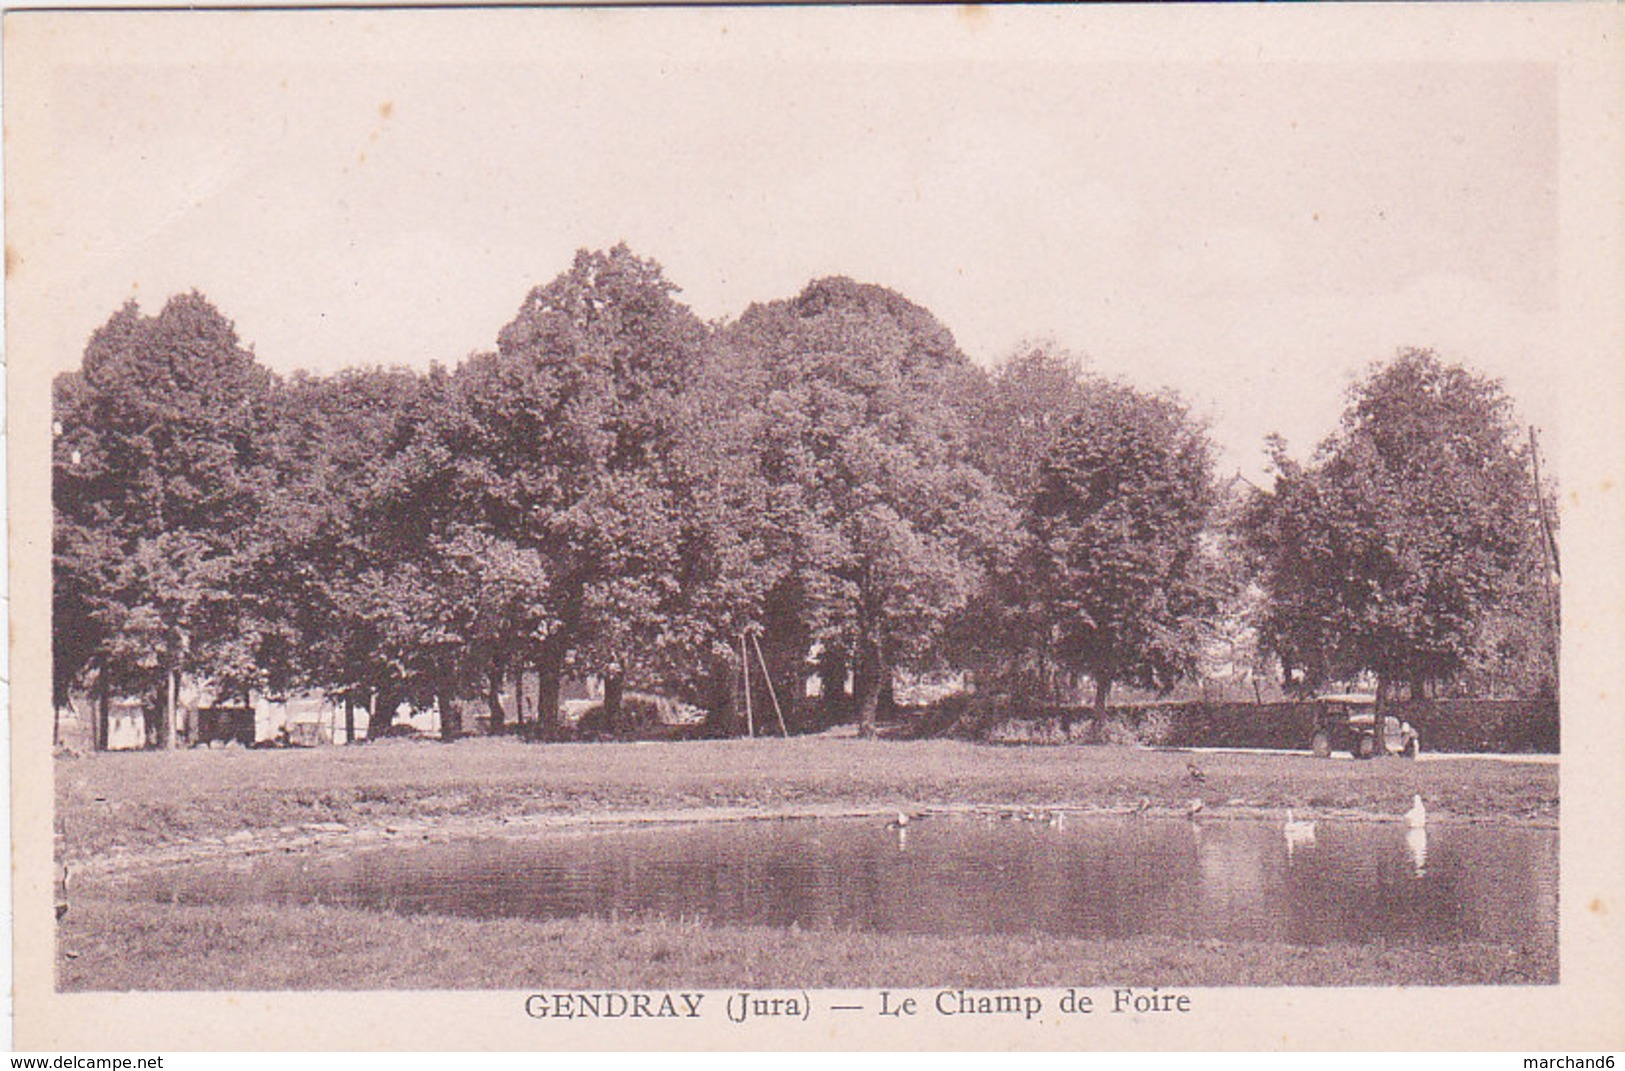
x: 576, y: 694
x: 126, y: 726
x: 306, y: 719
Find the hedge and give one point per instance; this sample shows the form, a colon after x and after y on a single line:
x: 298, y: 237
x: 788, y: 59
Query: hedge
x: 1458, y: 725
x: 1485, y: 725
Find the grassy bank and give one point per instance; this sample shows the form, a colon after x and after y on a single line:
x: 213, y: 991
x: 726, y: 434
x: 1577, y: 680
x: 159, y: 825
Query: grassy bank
x: 104, y: 945
x: 123, y: 811
x: 144, y: 800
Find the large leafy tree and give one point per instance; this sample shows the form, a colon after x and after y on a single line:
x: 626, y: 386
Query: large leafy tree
x: 433, y: 604
x: 160, y: 481
x: 339, y: 556
x: 1021, y: 408
x: 1116, y: 524
x: 552, y: 467
x: 879, y: 521
x: 1018, y: 414
x: 1411, y: 527
x: 725, y: 557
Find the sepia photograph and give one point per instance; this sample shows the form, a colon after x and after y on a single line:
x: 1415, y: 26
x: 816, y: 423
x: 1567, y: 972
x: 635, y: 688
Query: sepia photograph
x: 813, y: 527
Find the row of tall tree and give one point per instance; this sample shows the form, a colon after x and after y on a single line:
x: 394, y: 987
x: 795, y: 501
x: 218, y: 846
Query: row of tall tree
x: 623, y: 490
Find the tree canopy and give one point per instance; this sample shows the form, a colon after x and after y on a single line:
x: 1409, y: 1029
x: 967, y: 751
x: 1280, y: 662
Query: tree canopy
x: 825, y: 489
x: 1414, y: 522
x: 882, y: 521
x: 160, y: 481
x: 1118, y: 513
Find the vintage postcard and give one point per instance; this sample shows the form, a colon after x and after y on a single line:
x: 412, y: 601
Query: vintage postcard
x: 832, y: 527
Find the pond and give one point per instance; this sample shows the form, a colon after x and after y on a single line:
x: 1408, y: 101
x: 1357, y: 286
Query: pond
x: 1106, y: 877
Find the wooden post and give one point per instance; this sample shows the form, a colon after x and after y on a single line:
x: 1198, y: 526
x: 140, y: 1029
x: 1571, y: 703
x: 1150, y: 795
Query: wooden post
x: 1548, y: 543
x: 771, y: 691
x: 744, y: 665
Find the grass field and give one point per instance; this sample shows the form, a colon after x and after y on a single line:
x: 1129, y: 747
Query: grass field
x: 118, y: 946
x: 123, y: 811
x: 139, y: 799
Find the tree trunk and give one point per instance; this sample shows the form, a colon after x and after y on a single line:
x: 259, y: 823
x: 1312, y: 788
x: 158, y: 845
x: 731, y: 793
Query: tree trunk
x: 832, y: 669
x: 1103, y: 691
x: 549, y: 678
x: 722, y: 706
x: 868, y: 707
x: 169, y: 737
x: 451, y: 719
x: 549, y: 711
x: 493, y: 700
x: 519, y: 697
x: 614, y: 689
x: 349, y: 720
x: 101, y: 721
x: 874, y: 674
x: 1419, y: 686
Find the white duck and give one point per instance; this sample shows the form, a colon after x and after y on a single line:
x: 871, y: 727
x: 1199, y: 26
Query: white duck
x: 1417, y: 816
x: 1298, y: 830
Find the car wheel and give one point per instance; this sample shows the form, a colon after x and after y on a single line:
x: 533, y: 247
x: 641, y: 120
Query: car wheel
x: 1321, y: 745
x: 1365, y: 746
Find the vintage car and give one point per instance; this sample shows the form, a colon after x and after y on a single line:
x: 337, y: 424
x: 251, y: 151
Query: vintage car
x: 1349, y: 723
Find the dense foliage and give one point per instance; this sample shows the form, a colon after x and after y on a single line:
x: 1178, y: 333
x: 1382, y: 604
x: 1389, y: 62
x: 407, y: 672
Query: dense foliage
x: 1398, y: 550
x: 823, y: 493
x: 1122, y: 501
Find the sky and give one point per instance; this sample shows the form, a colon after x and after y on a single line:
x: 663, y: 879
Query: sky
x: 1249, y: 228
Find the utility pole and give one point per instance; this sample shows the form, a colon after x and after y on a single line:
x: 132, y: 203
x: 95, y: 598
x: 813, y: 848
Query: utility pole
x: 744, y: 665
x: 1548, y: 542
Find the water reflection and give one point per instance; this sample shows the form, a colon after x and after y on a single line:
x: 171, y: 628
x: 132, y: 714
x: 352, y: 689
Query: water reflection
x: 1417, y: 841
x: 1299, y: 833
x: 1096, y: 877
